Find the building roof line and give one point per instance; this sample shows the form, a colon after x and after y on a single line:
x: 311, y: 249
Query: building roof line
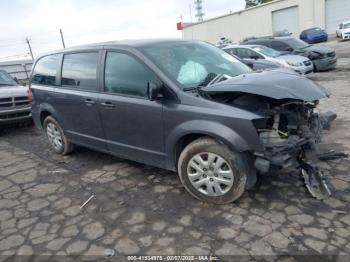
x: 187, y: 25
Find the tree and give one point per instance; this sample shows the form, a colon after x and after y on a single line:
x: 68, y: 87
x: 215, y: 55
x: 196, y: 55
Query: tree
x: 251, y: 3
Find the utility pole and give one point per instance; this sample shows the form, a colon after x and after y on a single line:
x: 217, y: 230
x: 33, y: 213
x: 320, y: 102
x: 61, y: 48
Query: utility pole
x: 30, y: 48
x: 191, y: 21
x: 64, y: 45
x: 190, y: 7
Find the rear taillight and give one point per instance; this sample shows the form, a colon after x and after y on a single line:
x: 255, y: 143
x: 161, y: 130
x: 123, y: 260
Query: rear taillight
x: 29, y: 95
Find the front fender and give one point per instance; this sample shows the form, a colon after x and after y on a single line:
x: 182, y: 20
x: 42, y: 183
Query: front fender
x: 213, y: 129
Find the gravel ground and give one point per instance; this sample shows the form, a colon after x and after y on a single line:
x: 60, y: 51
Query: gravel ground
x: 138, y: 209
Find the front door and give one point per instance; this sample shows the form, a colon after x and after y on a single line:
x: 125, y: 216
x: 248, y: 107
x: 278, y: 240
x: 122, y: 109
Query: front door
x: 132, y: 123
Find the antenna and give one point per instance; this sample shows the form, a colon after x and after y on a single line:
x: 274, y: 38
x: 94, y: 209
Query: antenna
x: 199, y: 8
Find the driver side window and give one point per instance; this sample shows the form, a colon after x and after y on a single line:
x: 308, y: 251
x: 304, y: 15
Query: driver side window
x: 126, y: 75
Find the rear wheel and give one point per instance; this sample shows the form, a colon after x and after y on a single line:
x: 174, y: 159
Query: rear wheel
x: 211, y: 172
x: 57, y: 140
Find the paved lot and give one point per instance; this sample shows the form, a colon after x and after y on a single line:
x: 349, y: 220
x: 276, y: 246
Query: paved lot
x: 139, y: 209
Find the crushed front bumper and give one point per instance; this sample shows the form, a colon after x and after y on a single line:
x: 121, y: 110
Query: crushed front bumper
x: 297, y: 151
x: 325, y: 64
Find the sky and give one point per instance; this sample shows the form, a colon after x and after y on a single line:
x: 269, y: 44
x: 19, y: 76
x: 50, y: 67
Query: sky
x: 91, y: 21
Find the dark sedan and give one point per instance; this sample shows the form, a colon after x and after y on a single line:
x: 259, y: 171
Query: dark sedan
x: 323, y: 57
x: 314, y: 35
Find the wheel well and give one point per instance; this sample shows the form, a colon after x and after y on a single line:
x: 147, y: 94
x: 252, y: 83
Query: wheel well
x: 185, y: 141
x: 43, y: 115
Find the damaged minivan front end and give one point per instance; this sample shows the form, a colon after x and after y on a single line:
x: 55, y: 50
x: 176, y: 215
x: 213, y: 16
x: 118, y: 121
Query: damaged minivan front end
x: 290, y: 126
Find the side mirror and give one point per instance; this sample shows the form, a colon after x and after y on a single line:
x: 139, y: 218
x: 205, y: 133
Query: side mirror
x: 153, y: 90
x: 289, y: 49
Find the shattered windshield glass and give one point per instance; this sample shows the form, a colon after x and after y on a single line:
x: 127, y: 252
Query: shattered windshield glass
x: 191, y: 62
x: 6, y: 80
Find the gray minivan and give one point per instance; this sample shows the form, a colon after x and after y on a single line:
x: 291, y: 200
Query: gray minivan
x: 185, y: 106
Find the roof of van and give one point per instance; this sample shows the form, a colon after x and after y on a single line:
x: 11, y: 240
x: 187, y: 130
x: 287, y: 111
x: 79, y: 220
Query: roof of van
x: 122, y: 43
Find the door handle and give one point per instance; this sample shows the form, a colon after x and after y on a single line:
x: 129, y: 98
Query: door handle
x: 89, y: 102
x: 108, y: 104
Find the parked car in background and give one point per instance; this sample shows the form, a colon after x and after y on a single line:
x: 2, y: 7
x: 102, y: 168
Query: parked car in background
x: 343, y: 30
x: 297, y: 63
x: 284, y: 32
x: 323, y: 58
x: 314, y: 35
x: 185, y: 106
x: 14, y: 101
x: 257, y: 64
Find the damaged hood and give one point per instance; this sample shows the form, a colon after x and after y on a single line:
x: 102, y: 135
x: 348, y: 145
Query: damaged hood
x: 273, y: 84
x: 318, y: 49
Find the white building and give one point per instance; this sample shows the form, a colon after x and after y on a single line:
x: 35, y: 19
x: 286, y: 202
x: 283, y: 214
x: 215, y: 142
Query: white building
x: 19, y: 69
x: 263, y: 20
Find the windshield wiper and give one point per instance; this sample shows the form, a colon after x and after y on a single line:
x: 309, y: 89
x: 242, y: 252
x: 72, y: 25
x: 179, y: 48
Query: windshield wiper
x: 190, y: 88
x: 209, y: 80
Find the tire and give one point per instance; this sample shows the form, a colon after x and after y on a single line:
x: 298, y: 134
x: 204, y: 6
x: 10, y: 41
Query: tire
x: 59, y: 143
x: 221, y: 155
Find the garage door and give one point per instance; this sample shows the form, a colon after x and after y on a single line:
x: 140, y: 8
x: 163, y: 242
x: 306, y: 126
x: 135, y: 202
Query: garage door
x: 286, y: 19
x: 337, y: 11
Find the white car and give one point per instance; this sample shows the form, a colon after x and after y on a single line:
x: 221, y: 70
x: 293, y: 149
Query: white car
x: 297, y: 63
x: 343, y: 30
x: 14, y: 101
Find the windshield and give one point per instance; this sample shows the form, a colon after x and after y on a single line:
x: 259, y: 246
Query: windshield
x: 267, y: 51
x: 297, y: 44
x: 6, y: 80
x: 315, y: 29
x: 190, y: 63
x: 346, y: 26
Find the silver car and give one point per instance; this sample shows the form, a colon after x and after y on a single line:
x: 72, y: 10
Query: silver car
x: 14, y: 101
x: 297, y: 63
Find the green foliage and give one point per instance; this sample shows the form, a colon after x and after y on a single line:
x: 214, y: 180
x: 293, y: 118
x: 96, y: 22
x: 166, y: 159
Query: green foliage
x: 250, y: 3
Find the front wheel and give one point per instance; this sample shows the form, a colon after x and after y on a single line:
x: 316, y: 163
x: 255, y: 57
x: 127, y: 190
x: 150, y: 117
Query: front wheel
x: 211, y: 172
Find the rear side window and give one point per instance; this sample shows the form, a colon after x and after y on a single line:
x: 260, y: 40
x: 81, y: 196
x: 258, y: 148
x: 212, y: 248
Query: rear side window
x: 231, y: 51
x: 45, y: 70
x: 126, y: 75
x: 246, y: 53
x: 79, y: 70
x: 279, y: 46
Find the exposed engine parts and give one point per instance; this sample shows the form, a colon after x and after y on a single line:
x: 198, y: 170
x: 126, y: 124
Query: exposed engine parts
x: 290, y: 126
x: 290, y: 137
x: 290, y: 134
